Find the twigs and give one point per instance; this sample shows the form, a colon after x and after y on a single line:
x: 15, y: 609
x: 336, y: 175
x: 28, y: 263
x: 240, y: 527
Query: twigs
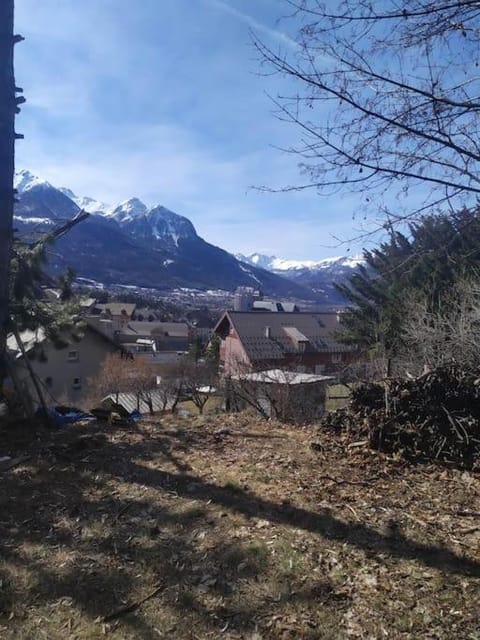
x: 363, y: 483
x: 129, y: 608
x: 433, y: 417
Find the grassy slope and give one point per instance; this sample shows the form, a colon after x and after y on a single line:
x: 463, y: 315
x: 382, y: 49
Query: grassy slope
x: 250, y: 534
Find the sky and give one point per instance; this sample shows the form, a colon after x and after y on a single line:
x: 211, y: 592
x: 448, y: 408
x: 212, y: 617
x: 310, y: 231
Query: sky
x: 166, y: 100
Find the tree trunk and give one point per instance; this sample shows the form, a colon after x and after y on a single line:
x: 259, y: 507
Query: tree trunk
x: 8, y: 107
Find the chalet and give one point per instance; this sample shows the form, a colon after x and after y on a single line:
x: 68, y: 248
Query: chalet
x: 259, y: 340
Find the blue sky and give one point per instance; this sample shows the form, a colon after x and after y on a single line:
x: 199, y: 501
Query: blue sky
x: 164, y: 100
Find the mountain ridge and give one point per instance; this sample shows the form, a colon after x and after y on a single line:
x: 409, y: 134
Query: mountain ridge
x: 134, y: 244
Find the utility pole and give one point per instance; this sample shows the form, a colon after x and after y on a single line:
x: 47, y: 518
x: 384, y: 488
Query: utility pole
x: 9, y: 106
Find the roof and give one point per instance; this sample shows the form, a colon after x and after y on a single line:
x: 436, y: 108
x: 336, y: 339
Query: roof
x: 279, y: 376
x: 275, y: 306
x: 117, y: 308
x: 172, y: 329
x: 87, y: 302
x: 29, y: 340
x: 279, y: 340
x: 129, y: 401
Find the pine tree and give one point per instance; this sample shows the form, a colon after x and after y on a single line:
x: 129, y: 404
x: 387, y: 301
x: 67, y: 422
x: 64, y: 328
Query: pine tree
x: 435, y: 253
x: 32, y: 306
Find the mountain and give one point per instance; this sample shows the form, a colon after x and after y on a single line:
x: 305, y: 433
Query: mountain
x: 317, y: 275
x: 272, y: 263
x: 133, y: 244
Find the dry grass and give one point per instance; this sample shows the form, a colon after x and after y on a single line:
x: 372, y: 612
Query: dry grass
x: 247, y: 533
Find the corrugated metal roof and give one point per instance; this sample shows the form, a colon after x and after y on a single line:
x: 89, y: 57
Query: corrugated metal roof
x: 131, y: 402
x: 279, y: 376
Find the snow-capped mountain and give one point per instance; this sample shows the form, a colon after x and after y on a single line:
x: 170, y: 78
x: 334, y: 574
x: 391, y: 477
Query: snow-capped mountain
x: 40, y: 201
x: 319, y: 275
x: 148, y: 224
x: 128, y: 210
x: 272, y: 263
x: 154, y: 225
x: 87, y: 204
x: 134, y: 244
x: 24, y: 181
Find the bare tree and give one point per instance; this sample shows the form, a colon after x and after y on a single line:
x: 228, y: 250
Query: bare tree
x: 141, y: 380
x: 125, y: 375
x: 386, y: 95
x: 201, y: 381
x: 449, y: 334
x: 114, y: 376
x: 173, y: 383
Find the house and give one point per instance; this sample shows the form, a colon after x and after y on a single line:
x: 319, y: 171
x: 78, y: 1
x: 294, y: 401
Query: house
x: 275, y: 306
x: 147, y: 315
x: 303, y: 341
x: 165, y: 336
x: 63, y: 374
x: 120, y: 313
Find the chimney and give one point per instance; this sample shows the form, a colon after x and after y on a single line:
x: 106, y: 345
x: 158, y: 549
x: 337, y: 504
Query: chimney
x: 267, y: 332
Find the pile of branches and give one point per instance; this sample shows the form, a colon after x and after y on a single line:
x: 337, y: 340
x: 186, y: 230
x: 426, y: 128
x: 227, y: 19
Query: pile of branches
x: 433, y: 417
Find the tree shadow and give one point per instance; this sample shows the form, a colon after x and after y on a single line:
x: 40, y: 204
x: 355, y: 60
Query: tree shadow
x: 116, y: 545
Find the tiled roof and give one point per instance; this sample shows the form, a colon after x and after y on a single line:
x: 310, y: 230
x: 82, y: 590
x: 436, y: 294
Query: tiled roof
x: 271, y: 336
x: 117, y: 308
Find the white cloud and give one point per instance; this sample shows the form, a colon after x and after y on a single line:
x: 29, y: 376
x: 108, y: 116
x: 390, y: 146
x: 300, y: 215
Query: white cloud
x: 127, y: 99
x: 254, y: 24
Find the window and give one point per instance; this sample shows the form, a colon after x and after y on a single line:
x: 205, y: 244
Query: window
x: 336, y: 357
x: 49, y: 382
x: 77, y: 383
x: 72, y: 356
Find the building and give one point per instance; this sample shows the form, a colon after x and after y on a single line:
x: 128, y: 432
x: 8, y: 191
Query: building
x: 279, y: 394
x: 62, y: 374
x: 120, y: 313
x: 259, y: 340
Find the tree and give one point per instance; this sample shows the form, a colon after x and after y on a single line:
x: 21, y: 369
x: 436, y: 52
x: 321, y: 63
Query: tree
x: 200, y: 381
x: 447, y: 334
x: 114, y: 376
x: 8, y: 107
x: 386, y: 95
x: 196, y: 350
x: 30, y: 307
x: 141, y: 380
x: 427, y: 263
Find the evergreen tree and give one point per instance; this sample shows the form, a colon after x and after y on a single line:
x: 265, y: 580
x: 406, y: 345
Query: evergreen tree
x: 435, y: 253
x: 36, y: 300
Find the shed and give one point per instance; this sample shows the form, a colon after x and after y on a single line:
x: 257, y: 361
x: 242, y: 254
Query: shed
x: 290, y: 396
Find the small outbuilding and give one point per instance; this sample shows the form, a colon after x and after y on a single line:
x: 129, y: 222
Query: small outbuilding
x: 289, y: 396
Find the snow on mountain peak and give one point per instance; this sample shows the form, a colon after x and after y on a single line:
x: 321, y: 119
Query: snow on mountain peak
x: 272, y: 263
x: 24, y: 181
x: 166, y: 223
x: 90, y: 205
x: 129, y: 209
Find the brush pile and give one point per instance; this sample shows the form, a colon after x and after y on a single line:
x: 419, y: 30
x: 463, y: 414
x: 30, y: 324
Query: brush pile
x: 433, y: 417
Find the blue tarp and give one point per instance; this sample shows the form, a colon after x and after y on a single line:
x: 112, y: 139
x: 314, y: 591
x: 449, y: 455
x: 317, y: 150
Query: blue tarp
x: 60, y: 419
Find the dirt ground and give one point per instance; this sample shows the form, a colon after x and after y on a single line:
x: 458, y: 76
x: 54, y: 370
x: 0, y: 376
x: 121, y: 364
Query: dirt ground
x: 226, y: 527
